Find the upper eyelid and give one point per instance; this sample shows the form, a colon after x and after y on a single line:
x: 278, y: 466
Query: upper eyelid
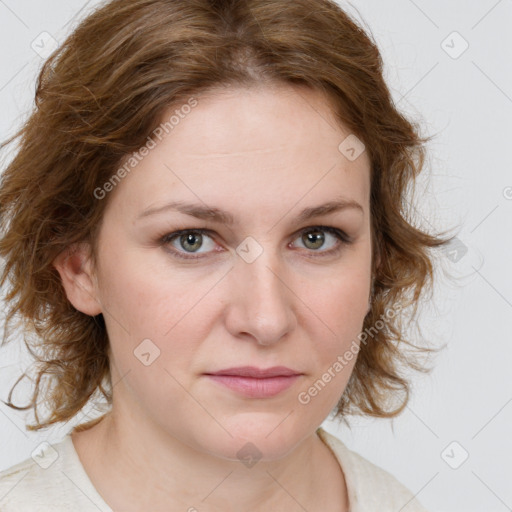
x: 210, y: 231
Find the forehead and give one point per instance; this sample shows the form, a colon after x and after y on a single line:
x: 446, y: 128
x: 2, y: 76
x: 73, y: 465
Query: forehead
x: 251, y: 148
x: 231, y: 122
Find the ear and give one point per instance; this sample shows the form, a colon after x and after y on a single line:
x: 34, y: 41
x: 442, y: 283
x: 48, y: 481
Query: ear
x: 78, y: 278
x: 377, y: 264
x: 376, y: 248
x: 377, y: 260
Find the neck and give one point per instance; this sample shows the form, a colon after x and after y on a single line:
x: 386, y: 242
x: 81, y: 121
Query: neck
x: 132, y: 470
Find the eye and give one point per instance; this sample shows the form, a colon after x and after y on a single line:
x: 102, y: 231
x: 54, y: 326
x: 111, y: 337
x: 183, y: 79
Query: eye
x: 186, y: 243
x: 189, y: 240
x: 314, y: 238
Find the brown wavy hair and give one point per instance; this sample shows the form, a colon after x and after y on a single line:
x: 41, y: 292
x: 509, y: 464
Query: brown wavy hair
x: 100, y: 95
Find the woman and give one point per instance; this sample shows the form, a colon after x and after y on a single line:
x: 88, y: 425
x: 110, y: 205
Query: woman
x: 204, y: 222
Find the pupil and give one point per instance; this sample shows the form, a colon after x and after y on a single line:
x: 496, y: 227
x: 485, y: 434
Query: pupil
x: 315, y: 237
x: 190, y: 238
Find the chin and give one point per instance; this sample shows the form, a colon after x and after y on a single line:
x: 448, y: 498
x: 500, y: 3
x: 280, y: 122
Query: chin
x: 256, y: 438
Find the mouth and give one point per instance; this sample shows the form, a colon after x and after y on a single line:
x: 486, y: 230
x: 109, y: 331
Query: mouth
x: 255, y: 382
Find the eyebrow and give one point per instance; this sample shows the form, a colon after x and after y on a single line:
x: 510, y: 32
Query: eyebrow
x: 221, y: 216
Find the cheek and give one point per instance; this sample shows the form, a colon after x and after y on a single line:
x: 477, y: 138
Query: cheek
x: 339, y: 311
x: 340, y: 307
x: 148, y: 296
x: 154, y: 332
x: 333, y: 331
x: 174, y: 310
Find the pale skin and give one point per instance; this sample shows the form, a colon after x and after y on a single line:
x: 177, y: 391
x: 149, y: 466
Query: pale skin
x: 171, y: 440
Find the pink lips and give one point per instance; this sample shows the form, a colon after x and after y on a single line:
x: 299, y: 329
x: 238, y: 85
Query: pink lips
x: 255, y: 382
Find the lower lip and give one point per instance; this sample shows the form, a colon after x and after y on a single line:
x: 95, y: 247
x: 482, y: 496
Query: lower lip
x: 254, y: 387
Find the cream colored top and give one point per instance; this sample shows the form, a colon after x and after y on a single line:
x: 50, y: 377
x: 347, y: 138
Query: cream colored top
x: 57, y: 482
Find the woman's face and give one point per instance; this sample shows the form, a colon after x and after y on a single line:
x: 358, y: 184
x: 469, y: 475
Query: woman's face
x: 270, y: 289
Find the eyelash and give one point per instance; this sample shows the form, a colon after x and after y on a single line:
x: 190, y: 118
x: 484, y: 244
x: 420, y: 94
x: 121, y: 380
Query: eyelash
x: 342, y: 237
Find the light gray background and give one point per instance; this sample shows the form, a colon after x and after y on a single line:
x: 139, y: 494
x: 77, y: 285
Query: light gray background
x: 466, y: 99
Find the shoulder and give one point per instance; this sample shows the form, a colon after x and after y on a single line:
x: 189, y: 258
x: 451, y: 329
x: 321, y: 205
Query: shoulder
x: 26, y: 483
x: 370, y: 487
x: 47, y: 481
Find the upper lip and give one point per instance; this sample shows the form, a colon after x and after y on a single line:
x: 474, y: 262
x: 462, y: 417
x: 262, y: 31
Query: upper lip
x: 252, y: 371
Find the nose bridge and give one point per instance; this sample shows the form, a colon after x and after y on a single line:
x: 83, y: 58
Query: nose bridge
x: 264, y: 303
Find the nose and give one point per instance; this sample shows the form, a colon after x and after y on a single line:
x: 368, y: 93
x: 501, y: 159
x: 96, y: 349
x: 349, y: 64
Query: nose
x: 261, y: 301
